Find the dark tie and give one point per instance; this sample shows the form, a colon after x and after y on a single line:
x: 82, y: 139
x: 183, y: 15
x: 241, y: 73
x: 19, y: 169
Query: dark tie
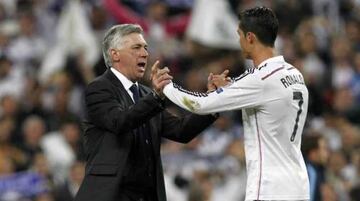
x: 142, y: 150
x: 135, y: 90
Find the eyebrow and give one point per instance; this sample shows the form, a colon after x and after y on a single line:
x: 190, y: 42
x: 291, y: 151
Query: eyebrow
x: 140, y: 45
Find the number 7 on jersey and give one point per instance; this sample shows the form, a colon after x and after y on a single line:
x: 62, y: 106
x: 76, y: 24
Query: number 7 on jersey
x: 297, y: 96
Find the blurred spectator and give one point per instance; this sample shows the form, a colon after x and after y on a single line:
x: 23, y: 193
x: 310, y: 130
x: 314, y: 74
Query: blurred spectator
x: 355, y: 81
x: 217, y: 138
x: 336, y: 177
x: 350, y: 137
x: 67, y: 191
x: 11, y: 78
x: 71, y: 41
x: 62, y: 148
x: 4, y: 40
x: 231, y: 184
x: 156, y: 23
x: 343, y: 100
x: 9, y: 106
x: 213, y: 24
x: 40, y: 165
x: 342, y: 70
x: 20, y: 186
x: 10, y: 109
x: 328, y: 128
x: 63, y: 100
x: 330, y: 10
x: 7, y: 166
x: 33, y: 130
x: 46, y: 18
x: 27, y: 49
x: 316, y: 154
x: 313, y: 67
x: 329, y: 193
x: 6, y: 147
x: 33, y: 94
x: 285, y: 12
x: 201, y: 186
x: 352, y: 31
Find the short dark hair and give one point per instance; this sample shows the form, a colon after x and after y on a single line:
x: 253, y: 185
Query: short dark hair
x: 262, y: 22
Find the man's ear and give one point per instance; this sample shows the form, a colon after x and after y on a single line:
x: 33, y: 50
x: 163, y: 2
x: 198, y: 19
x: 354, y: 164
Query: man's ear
x: 114, y: 54
x: 250, y: 37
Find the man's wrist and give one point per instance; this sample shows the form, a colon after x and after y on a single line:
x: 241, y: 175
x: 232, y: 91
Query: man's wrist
x: 157, y: 96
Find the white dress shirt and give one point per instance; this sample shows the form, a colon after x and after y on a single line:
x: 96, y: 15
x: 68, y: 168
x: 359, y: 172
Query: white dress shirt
x: 124, y: 81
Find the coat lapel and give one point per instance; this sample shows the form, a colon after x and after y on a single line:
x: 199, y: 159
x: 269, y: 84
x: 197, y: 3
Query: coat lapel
x: 114, y: 80
x: 128, y: 101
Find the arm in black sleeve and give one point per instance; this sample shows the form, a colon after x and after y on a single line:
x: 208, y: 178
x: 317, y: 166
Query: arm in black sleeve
x: 106, y: 111
x: 184, y: 129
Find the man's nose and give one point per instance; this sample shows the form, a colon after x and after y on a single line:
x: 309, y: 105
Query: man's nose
x: 144, y: 53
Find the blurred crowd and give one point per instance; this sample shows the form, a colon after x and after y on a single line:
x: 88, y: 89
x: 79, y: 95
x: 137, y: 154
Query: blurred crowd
x: 51, y: 49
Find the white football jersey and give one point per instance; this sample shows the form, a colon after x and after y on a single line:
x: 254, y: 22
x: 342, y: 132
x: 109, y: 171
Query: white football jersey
x: 274, y: 103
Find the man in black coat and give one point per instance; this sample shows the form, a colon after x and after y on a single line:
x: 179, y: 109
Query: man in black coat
x: 125, y: 123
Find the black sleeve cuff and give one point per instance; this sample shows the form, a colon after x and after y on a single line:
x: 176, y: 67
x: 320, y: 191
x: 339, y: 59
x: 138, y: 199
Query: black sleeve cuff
x: 159, y: 99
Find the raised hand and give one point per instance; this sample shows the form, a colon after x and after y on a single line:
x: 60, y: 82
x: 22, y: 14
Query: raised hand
x: 216, y: 81
x: 159, y: 78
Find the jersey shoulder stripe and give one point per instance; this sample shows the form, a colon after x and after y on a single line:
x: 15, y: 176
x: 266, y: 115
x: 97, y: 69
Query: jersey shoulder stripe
x: 246, y: 73
x: 291, y: 68
x: 193, y: 93
x: 272, y: 72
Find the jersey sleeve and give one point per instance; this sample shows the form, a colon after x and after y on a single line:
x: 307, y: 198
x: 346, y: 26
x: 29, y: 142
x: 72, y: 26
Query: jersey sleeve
x: 245, y: 91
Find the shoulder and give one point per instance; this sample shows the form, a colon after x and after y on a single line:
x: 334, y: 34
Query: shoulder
x: 249, y: 80
x: 251, y: 76
x: 251, y: 72
x: 276, y: 69
x: 292, y: 68
x: 98, y: 83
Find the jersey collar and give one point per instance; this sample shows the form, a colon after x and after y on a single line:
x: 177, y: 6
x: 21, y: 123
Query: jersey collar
x: 271, y: 60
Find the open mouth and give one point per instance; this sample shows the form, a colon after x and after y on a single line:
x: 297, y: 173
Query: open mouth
x: 141, y: 64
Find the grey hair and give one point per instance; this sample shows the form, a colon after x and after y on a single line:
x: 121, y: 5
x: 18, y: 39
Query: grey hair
x: 113, y: 38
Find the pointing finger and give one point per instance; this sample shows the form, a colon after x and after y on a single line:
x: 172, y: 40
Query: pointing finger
x: 225, y: 73
x: 154, y: 68
x: 210, y: 76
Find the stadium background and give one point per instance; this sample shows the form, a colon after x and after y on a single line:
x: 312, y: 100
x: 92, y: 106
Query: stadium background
x: 50, y: 50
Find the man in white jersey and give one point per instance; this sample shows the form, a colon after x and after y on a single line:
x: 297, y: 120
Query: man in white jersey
x: 274, y: 102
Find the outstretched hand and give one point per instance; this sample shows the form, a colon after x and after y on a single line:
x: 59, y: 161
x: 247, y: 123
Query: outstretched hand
x: 216, y: 81
x: 159, y: 78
